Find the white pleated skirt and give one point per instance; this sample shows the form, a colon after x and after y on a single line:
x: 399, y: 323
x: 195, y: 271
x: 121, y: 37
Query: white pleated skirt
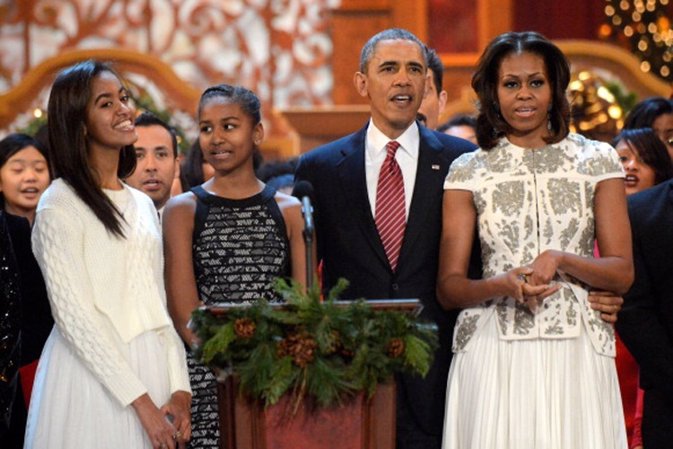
x: 532, y: 394
x: 70, y: 409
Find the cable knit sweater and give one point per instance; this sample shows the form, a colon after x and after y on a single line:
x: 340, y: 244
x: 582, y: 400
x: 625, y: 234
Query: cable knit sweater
x: 105, y: 290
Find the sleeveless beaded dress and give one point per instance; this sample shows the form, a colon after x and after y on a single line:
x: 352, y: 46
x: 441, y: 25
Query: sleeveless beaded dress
x: 239, y: 247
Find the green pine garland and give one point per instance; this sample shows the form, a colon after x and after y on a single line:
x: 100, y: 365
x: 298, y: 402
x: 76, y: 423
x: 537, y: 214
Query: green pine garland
x: 321, y: 351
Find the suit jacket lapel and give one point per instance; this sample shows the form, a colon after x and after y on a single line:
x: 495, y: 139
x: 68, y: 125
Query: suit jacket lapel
x: 351, y: 171
x: 430, y: 172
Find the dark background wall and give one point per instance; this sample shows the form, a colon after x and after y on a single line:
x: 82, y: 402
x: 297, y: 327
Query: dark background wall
x: 568, y: 19
x: 453, y: 25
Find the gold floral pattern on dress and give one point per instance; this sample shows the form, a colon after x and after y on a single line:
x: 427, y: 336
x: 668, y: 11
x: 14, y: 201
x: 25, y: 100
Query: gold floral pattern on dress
x: 569, y: 232
x: 571, y: 315
x: 529, y: 201
x: 564, y: 196
x: 547, y: 231
x: 554, y: 329
x: 464, y: 164
x: 507, y: 198
x: 524, y: 319
x: 586, y: 243
x: 479, y: 203
x: 600, y: 166
x: 464, y: 330
x: 510, y: 234
x: 545, y: 161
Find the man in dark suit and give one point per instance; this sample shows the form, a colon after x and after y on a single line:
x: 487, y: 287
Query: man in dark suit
x: 646, y: 322
x: 345, y: 175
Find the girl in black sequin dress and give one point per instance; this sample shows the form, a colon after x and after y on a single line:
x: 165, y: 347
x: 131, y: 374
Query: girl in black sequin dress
x: 229, y: 238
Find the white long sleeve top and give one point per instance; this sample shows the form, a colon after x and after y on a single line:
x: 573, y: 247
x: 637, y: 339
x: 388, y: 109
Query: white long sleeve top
x: 104, y: 290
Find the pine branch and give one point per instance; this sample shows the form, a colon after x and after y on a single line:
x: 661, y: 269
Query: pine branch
x: 313, y: 350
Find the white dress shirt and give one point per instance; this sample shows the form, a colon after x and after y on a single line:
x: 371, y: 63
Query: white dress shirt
x: 406, y: 157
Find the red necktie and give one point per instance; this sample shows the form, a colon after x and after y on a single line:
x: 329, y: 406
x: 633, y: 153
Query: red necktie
x: 390, y: 206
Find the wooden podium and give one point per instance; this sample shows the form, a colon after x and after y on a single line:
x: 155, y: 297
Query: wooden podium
x: 357, y: 424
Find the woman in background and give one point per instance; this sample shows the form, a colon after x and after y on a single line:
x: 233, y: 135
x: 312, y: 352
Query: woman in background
x: 644, y: 158
x: 113, y: 371
x: 227, y: 239
x: 646, y: 163
x: 10, y: 341
x: 24, y: 176
x: 655, y: 113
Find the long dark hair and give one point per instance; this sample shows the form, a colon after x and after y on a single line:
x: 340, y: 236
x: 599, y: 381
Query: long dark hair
x: 12, y: 144
x: 650, y: 149
x: 67, y: 141
x: 490, y: 124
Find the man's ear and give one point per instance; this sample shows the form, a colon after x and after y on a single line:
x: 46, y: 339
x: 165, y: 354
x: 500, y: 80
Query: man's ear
x: 428, y: 80
x: 443, y: 98
x: 177, y: 161
x: 360, y: 81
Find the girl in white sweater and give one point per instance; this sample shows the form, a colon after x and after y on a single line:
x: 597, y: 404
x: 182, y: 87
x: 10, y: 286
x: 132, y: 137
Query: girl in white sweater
x: 113, y: 371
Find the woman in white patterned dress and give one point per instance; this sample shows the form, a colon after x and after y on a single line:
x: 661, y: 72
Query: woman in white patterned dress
x: 534, y: 364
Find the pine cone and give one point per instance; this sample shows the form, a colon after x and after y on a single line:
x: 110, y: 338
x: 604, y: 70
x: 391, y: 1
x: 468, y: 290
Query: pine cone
x: 395, y: 347
x: 304, y: 351
x: 300, y: 347
x: 244, y: 327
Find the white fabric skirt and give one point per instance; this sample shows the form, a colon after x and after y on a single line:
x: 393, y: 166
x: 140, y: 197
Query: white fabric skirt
x: 532, y: 394
x: 70, y: 409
